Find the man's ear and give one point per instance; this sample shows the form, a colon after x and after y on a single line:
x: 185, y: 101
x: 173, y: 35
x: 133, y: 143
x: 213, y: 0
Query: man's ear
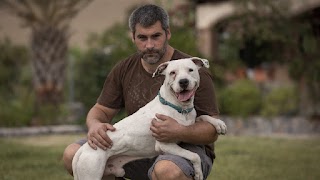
x: 132, y: 37
x: 200, y: 62
x: 160, y: 69
x: 168, y: 33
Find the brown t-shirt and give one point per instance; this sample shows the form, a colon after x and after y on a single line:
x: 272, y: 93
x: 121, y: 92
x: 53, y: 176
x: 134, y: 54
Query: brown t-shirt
x: 130, y: 86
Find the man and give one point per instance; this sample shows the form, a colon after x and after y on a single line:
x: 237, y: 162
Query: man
x: 130, y: 85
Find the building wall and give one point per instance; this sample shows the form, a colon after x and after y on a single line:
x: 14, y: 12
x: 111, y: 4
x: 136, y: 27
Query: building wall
x: 96, y: 17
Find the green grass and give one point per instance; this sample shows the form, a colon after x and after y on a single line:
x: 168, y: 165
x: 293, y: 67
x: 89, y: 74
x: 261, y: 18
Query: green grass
x: 247, y: 158
x: 267, y: 158
x: 34, y: 158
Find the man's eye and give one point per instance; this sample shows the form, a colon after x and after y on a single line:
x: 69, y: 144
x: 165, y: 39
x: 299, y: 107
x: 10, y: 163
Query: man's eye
x: 142, y: 38
x: 156, y: 36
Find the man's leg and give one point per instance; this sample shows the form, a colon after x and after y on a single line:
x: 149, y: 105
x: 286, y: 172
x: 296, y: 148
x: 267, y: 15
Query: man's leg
x: 68, y: 154
x: 135, y: 170
x: 163, y: 166
x: 167, y: 170
x: 138, y: 170
x: 169, y: 166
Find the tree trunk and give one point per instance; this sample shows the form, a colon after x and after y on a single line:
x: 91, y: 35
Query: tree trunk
x: 49, y: 54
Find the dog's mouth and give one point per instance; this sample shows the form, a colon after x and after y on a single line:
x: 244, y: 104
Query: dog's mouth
x: 185, y: 95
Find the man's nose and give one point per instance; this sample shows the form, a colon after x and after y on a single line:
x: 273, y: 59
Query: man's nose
x: 150, y: 44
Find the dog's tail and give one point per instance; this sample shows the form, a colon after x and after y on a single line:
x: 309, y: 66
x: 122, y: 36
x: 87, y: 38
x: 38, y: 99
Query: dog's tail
x: 74, y: 164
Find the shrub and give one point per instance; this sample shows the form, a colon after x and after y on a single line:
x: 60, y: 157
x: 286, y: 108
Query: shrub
x: 92, y: 66
x: 13, y: 60
x: 15, y: 113
x: 280, y: 101
x: 16, y: 100
x: 243, y: 98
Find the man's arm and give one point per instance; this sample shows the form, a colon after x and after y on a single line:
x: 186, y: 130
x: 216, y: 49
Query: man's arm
x: 98, y: 122
x: 169, y: 130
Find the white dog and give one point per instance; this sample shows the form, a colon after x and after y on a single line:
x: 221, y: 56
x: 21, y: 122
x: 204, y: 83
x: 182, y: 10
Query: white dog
x: 132, y: 138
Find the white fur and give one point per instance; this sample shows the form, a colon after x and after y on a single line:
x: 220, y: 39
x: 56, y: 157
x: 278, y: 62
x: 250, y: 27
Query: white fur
x: 132, y: 138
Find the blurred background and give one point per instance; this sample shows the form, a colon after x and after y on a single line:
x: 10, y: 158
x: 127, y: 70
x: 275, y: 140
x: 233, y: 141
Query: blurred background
x: 264, y: 57
x: 55, y: 55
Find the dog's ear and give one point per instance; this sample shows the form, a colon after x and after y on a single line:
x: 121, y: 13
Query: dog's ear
x: 160, y: 69
x: 201, y: 62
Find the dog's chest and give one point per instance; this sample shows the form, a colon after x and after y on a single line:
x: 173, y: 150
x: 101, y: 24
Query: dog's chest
x: 185, y: 119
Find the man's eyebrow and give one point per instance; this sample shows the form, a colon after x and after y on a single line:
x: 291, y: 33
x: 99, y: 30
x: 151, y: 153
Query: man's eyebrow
x: 141, y: 35
x: 155, y: 34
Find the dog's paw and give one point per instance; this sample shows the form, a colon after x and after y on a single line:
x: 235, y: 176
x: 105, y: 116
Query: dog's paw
x: 198, y: 176
x: 221, y: 127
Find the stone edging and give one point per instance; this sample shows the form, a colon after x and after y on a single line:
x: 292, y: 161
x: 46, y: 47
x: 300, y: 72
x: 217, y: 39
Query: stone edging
x: 291, y: 126
x: 269, y: 126
x: 29, y: 131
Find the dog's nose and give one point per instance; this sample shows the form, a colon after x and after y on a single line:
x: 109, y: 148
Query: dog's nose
x: 184, y: 83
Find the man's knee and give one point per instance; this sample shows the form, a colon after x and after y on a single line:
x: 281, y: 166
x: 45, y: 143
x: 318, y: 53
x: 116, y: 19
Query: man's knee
x: 68, y: 155
x: 168, y: 170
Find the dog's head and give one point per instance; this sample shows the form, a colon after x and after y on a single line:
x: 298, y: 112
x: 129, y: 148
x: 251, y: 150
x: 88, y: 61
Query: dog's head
x: 182, y: 77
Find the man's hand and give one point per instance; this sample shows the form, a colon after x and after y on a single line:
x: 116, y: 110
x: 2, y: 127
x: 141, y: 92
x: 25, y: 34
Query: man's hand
x: 97, y: 136
x: 167, y: 129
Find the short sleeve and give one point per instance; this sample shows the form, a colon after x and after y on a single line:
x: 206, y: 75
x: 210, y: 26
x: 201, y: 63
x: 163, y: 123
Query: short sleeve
x: 205, y: 98
x: 112, y: 92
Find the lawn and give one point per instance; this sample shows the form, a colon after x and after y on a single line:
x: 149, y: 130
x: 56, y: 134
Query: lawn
x: 267, y: 158
x: 247, y: 158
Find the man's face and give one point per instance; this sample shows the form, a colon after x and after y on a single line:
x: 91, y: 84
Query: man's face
x: 151, y: 42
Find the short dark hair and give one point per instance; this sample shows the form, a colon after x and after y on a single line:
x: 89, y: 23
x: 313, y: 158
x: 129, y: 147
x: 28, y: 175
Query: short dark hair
x: 148, y: 15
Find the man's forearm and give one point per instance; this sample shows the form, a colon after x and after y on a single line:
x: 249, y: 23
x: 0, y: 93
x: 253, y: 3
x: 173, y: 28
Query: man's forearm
x: 97, y: 115
x: 201, y: 132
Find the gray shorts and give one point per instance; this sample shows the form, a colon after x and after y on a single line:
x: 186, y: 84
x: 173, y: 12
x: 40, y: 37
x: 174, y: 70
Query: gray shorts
x: 141, y: 169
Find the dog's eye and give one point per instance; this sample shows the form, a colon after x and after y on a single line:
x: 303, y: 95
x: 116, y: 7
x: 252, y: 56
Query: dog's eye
x: 172, y: 73
x: 190, y: 70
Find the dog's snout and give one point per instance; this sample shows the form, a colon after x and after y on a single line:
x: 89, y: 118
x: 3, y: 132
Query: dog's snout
x: 184, y: 83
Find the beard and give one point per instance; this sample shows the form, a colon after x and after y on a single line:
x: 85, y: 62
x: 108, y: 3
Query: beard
x: 153, y: 56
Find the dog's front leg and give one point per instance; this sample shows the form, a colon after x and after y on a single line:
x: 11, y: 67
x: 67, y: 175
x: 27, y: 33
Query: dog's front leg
x: 220, y: 126
x: 174, y: 149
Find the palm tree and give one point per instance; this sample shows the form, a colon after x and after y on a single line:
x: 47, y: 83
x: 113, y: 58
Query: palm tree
x: 49, y: 22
